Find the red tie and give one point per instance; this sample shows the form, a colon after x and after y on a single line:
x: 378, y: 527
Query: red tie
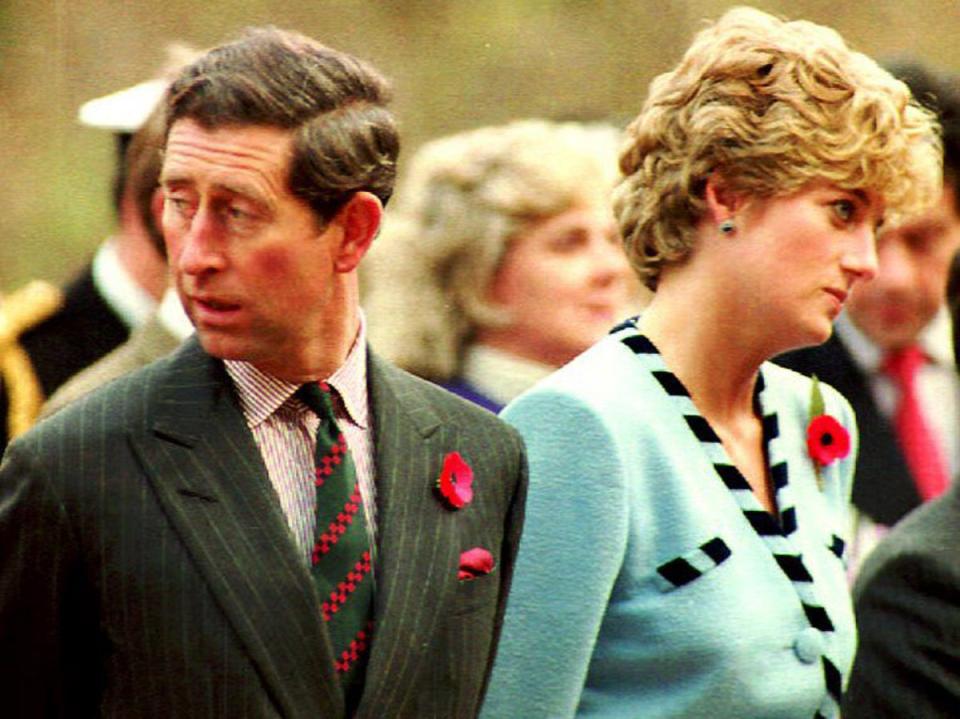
x: 922, y: 453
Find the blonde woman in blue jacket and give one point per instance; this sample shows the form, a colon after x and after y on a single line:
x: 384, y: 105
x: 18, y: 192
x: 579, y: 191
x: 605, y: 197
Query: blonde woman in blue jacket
x: 683, y: 548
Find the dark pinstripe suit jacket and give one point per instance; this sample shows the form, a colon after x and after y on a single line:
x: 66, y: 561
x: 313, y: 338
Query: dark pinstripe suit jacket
x: 146, y: 568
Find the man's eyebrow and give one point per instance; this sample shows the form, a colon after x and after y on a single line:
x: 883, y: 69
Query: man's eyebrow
x: 170, y: 178
x: 246, y: 191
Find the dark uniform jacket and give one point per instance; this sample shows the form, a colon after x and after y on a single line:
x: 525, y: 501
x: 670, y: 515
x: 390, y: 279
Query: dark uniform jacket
x: 80, y: 332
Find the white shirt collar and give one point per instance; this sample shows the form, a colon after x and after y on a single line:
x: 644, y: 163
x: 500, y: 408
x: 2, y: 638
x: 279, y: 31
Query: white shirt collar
x: 499, y: 375
x: 130, y: 301
x: 172, y: 317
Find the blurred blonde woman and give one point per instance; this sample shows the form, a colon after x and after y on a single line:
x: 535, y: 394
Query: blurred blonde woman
x: 499, y: 260
x: 683, y: 548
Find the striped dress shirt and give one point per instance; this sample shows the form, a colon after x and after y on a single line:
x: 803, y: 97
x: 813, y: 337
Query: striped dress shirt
x: 285, y: 432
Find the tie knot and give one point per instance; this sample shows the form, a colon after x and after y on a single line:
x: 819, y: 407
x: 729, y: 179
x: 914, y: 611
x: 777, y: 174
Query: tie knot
x: 902, y: 364
x: 317, y: 397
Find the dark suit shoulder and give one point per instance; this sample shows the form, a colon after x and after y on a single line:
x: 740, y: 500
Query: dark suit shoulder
x: 906, y: 598
x: 828, y: 358
x: 401, y: 402
x: 927, y: 533
x: 115, y: 408
x: 447, y: 406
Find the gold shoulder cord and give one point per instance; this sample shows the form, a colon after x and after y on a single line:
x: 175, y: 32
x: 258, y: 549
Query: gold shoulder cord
x: 20, y: 311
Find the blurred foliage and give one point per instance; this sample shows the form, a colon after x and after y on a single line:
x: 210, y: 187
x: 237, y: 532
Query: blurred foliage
x: 455, y: 64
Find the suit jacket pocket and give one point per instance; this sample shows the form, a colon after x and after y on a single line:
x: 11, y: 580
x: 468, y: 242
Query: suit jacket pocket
x: 692, y: 565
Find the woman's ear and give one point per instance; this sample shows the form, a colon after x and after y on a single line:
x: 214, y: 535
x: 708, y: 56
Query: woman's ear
x: 360, y: 221
x: 722, y: 201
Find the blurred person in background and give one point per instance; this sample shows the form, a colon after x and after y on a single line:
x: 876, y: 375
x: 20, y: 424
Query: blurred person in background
x: 49, y: 335
x: 168, y: 325
x: 907, y: 603
x: 891, y: 354
x: 683, y: 548
x: 499, y: 260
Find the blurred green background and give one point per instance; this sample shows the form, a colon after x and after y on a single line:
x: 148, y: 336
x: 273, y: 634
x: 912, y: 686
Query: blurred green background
x: 455, y: 64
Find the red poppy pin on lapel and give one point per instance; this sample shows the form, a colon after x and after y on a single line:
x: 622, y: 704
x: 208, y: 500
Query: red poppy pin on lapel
x: 827, y: 439
x: 475, y: 563
x: 455, y: 484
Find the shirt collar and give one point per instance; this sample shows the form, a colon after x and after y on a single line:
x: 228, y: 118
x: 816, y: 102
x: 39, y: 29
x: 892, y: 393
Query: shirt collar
x: 936, y: 341
x: 499, y: 375
x: 172, y: 317
x: 116, y: 285
x: 262, y: 394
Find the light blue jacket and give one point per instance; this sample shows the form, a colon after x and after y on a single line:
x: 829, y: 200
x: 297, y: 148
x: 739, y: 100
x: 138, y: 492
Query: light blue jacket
x: 619, y: 486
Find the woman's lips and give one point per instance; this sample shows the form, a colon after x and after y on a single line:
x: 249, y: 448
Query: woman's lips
x: 841, y: 295
x: 603, y: 311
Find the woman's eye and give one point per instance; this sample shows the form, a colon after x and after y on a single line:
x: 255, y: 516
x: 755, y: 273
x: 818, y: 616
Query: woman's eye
x: 569, y: 241
x: 844, y: 209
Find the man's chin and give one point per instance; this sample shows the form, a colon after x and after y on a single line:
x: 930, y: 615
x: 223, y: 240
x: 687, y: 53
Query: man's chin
x: 225, y: 348
x: 893, y: 331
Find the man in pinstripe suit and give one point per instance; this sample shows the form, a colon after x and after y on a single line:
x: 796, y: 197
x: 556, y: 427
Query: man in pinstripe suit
x: 155, y: 536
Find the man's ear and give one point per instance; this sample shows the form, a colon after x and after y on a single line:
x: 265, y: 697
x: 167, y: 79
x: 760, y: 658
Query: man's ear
x: 722, y: 201
x: 359, y: 220
x: 156, y: 214
x: 156, y: 207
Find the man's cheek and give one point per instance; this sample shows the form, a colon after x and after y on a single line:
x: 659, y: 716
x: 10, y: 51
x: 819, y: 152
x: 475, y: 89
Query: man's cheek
x: 273, y: 266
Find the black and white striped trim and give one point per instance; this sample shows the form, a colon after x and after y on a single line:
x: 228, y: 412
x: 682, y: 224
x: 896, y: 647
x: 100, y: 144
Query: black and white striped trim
x: 776, y: 530
x: 683, y: 570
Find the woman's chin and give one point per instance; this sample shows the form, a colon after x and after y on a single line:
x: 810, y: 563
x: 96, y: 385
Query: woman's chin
x: 811, y: 338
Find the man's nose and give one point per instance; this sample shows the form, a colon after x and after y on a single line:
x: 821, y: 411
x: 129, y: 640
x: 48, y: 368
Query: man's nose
x: 202, y: 247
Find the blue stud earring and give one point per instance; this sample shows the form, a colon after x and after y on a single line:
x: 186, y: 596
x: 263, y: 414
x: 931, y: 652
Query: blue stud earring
x: 727, y: 227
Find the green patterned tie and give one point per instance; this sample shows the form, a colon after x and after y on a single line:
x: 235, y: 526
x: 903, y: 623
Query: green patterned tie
x: 341, y: 552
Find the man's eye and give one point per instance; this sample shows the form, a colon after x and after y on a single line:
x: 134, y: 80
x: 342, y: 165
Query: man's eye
x: 180, y: 204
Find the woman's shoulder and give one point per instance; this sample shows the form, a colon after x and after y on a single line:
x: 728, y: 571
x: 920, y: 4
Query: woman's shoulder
x: 605, y: 378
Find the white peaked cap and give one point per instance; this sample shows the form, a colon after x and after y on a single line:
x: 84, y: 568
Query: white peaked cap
x: 124, y: 110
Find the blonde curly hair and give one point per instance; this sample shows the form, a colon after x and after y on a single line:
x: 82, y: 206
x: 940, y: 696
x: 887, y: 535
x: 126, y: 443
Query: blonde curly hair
x: 772, y: 105
x: 462, y: 200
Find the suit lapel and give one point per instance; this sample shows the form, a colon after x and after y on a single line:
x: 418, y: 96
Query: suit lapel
x: 208, y: 474
x: 418, y: 541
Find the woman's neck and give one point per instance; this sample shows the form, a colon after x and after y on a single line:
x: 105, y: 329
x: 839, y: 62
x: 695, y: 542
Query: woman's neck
x: 712, y: 349
x: 706, y: 347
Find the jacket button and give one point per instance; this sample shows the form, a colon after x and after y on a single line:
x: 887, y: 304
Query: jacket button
x: 809, y: 645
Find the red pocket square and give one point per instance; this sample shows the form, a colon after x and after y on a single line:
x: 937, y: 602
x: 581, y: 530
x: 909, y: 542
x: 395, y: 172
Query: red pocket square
x: 475, y: 563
